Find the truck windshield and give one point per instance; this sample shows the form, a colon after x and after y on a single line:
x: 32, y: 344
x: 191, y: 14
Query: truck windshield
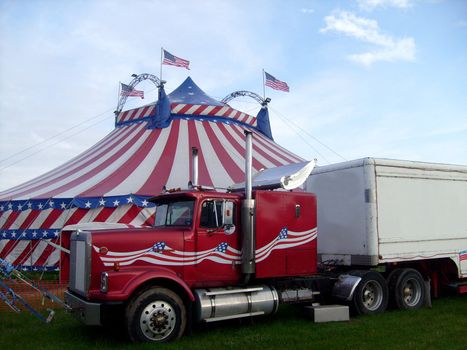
x: 179, y: 213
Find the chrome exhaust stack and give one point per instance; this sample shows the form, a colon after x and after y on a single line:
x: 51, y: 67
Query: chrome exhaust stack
x: 194, y: 173
x: 248, y: 214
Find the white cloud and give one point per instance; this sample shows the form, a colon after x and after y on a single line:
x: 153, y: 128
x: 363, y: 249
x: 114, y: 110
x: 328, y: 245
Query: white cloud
x: 387, y: 49
x: 370, y: 5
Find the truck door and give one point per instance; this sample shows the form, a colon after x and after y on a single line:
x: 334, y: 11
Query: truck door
x: 217, y: 242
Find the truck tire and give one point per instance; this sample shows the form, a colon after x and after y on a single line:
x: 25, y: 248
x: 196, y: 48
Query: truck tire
x: 406, y: 289
x: 371, y: 295
x: 157, y: 315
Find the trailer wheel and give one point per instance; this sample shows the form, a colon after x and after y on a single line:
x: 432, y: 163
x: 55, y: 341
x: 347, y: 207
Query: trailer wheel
x: 406, y: 289
x: 157, y: 315
x: 371, y: 294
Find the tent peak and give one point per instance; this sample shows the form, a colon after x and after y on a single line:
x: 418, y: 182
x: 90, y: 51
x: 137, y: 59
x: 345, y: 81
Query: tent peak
x: 190, y: 93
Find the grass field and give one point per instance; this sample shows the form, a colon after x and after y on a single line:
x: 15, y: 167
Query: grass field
x: 442, y: 327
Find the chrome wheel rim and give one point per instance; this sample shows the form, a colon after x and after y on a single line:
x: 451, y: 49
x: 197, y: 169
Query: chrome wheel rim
x: 158, y: 320
x: 411, y: 292
x: 372, y: 295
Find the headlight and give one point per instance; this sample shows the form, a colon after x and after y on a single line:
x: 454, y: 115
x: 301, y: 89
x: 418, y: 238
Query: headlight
x: 104, y: 282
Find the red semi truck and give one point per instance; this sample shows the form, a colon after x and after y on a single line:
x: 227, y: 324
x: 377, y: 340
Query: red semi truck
x: 213, y: 256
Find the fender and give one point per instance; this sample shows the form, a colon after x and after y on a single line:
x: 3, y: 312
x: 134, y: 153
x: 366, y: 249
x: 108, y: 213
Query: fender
x: 122, y: 284
x: 345, y: 287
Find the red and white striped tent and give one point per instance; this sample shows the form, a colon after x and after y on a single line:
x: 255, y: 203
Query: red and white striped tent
x: 113, y: 180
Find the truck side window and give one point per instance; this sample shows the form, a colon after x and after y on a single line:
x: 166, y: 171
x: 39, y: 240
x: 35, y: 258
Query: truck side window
x: 212, y: 214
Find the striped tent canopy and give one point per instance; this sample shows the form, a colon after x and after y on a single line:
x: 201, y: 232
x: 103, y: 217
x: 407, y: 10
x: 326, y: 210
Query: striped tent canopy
x: 112, y: 181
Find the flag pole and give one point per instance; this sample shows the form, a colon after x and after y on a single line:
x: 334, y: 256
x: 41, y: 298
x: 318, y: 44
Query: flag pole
x: 264, y: 87
x: 162, y: 50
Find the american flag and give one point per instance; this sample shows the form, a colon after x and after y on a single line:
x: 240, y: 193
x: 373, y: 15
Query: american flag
x: 463, y: 255
x: 283, y: 234
x: 276, y: 84
x: 127, y: 90
x: 172, y: 60
x: 159, y: 246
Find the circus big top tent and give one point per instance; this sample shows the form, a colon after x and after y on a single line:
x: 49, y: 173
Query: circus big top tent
x: 112, y: 181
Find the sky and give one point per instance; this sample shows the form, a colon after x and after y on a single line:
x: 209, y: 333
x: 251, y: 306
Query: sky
x: 378, y: 78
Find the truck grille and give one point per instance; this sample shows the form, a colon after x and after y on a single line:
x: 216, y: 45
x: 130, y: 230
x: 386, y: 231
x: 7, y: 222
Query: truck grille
x: 80, y: 262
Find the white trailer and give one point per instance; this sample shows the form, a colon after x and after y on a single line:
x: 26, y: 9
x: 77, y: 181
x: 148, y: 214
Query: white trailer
x: 394, y: 214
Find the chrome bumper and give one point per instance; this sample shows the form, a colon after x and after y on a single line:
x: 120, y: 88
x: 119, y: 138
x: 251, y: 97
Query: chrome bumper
x: 89, y: 313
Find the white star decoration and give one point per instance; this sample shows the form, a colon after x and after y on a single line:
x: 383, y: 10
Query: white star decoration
x: 129, y: 199
x: 116, y: 203
x: 63, y: 205
x: 87, y: 204
x: 145, y: 203
x: 102, y: 202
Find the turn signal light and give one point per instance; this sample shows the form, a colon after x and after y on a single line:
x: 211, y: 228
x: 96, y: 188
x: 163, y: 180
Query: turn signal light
x: 116, y: 266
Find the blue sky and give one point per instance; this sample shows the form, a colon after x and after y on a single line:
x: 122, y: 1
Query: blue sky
x: 381, y: 78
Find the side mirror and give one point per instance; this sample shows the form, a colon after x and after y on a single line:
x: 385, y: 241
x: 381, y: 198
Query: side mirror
x: 227, y: 212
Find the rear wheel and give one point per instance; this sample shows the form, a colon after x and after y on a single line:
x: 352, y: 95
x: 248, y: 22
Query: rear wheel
x: 157, y: 315
x: 371, y: 294
x: 406, y: 289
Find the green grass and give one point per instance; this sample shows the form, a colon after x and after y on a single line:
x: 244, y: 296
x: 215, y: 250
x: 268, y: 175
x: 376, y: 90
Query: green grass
x: 442, y: 327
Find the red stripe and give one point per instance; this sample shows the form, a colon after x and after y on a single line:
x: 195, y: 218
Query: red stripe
x: 95, y: 156
x: 256, y: 149
x: 184, y: 109
x: 51, y: 218
x: 130, y: 115
x: 193, y: 141
x: 227, y: 132
x: 215, y: 110
x: 150, y: 221
x: 200, y: 110
x: 30, y: 219
x: 130, y: 215
x: 122, y: 116
x: 11, y: 219
x: 294, y: 158
x: 46, y: 254
x: 227, y: 162
x: 161, y: 171
x: 76, y: 216
x: 104, y: 214
x: 26, y: 253
x: 94, y: 171
x: 126, y: 169
x: 8, y: 248
x: 257, y: 139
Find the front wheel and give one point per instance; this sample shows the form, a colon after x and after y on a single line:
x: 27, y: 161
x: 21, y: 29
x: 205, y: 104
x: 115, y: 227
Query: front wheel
x: 371, y: 294
x: 156, y: 315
